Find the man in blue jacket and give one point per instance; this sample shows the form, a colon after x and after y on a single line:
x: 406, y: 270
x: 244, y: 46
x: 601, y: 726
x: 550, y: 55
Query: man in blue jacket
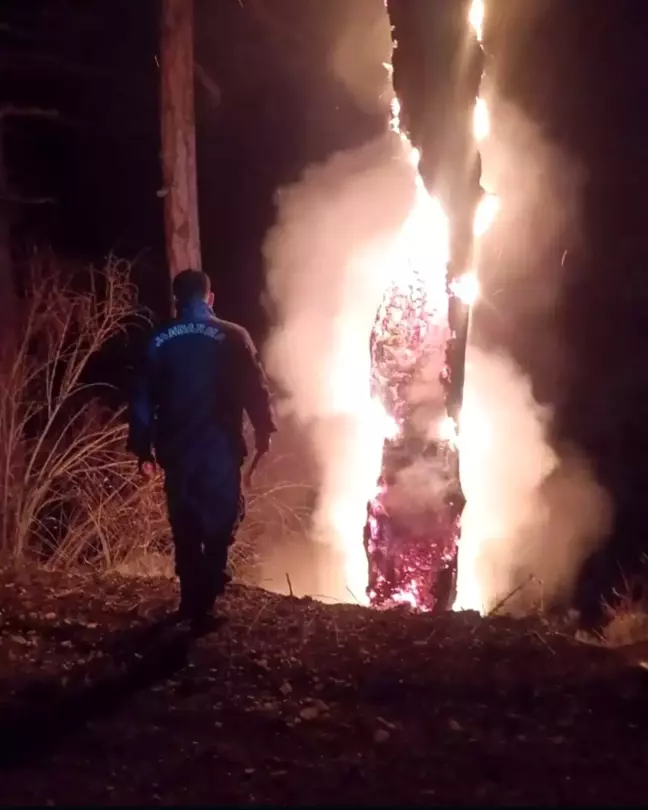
x: 198, y: 376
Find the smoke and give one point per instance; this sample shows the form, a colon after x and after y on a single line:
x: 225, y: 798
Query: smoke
x: 329, y: 258
x: 534, y: 511
x: 419, y: 488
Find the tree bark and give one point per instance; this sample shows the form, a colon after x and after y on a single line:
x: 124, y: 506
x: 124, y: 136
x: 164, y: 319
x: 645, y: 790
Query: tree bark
x: 179, y: 137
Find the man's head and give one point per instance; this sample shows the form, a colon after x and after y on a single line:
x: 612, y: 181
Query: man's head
x: 192, y: 285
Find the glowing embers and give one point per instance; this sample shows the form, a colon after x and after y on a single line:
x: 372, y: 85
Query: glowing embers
x: 411, y: 553
x: 410, y: 563
x: 411, y: 323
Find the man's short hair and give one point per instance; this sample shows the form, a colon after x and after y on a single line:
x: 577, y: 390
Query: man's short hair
x: 190, y: 285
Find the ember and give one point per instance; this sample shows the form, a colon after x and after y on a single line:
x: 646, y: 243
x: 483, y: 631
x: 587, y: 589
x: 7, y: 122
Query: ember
x: 409, y: 547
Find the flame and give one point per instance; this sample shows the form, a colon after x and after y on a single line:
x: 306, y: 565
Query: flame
x: 414, y: 308
x: 474, y: 429
x: 477, y: 433
x: 415, y: 158
x: 348, y: 514
x: 466, y: 288
x: 476, y: 17
x: 384, y: 425
x: 415, y: 304
x: 485, y: 214
x: 413, y: 320
x: 481, y: 120
x: 448, y: 430
x: 394, y: 122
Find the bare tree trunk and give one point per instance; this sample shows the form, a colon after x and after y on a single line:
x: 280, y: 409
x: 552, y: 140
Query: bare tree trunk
x: 179, y: 137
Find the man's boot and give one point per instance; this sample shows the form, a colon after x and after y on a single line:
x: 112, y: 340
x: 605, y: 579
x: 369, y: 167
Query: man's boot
x: 203, y: 619
x: 216, y: 588
x: 222, y: 580
x: 191, y: 605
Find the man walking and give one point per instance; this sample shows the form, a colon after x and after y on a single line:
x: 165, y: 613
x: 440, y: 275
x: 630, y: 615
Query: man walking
x: 198, y: 376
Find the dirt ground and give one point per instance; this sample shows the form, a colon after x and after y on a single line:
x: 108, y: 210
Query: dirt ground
x: 292, y: 702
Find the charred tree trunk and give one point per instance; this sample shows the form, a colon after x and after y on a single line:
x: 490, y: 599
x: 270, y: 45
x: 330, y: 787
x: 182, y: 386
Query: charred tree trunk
x: 438, y: 65
x: 179, y: 136
x: 437, y: 68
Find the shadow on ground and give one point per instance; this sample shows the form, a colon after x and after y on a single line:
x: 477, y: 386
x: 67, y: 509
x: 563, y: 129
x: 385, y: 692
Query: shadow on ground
x: 41, y: 714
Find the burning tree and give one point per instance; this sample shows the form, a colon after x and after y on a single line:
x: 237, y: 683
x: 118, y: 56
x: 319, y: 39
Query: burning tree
x: 421, y: 328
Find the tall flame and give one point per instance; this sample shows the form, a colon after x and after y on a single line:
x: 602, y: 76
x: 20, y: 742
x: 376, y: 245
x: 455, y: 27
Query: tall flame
x: 481, y: 120
x: 476, y: 17
x: 472, y: 426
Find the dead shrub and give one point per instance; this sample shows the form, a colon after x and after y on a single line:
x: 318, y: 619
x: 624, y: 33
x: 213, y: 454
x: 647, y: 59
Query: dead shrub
x: 627, y: 616
x: 63, y: 470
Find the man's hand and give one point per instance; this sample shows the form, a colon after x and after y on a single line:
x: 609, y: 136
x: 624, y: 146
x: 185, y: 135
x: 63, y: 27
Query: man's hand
x: 262, y: 443
x: 148, y: 469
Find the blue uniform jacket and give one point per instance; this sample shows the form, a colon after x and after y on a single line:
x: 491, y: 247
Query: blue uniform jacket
x: 198, y: 375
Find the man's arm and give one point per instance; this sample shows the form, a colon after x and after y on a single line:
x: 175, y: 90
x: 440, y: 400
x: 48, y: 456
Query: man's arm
x: 142, y: 413
x: 256, y: 396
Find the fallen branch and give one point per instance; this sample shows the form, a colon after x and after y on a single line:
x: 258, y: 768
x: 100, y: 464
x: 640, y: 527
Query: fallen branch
x: 515, y: 591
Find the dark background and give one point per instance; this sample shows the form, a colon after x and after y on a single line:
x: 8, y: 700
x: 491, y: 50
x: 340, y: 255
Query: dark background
x: 270, y: 105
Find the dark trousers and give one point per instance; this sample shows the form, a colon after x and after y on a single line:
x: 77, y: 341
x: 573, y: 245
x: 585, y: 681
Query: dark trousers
x: 206, y: 506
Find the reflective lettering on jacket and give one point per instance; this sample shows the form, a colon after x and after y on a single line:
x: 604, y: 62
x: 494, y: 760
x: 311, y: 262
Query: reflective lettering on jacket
x: 179, y: 329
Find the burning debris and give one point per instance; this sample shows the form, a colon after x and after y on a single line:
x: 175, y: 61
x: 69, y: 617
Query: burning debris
x: 421, y: 328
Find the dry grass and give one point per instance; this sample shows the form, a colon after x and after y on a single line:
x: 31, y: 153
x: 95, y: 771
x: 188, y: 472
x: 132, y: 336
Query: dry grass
x: 627, y: 617
x: 277, y: 508
x: 69, y: 493
x: 62, y: 463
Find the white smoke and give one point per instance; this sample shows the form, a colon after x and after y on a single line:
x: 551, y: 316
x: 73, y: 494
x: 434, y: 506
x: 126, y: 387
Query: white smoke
x: 329, y: 259
x: 534, y: 513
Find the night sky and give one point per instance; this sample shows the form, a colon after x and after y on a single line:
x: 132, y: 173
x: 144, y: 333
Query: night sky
x: 577, y: 68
